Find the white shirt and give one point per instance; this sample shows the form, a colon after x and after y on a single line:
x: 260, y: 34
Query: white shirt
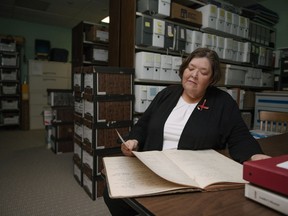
x: 176, y: 122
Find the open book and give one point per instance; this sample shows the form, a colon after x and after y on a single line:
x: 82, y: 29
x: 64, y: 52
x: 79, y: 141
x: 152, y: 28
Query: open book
x: 171, y: 171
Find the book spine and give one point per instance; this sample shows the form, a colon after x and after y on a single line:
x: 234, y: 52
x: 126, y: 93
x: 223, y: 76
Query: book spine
x: 267, y: 198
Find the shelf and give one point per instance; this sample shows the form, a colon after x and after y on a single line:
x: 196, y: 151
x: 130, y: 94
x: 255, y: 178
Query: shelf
x: 191, y: 3
x: 155, y: 82
x: 247, y: 87
x: 168, y: 20
x: 89, y: 43
x: 160, y: 50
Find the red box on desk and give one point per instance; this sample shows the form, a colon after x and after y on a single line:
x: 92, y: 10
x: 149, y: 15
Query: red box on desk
x: 271, y: 173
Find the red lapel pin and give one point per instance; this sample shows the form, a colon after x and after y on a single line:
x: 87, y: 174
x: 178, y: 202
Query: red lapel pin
x: 202, y: 106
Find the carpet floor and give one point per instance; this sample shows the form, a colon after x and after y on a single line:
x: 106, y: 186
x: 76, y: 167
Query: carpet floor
x: 35, y: 181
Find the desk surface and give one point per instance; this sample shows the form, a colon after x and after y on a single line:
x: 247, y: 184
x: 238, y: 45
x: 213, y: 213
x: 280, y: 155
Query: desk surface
x: 227, y: 202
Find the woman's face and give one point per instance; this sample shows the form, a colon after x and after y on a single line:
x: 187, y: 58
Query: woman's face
x: 196, y: 78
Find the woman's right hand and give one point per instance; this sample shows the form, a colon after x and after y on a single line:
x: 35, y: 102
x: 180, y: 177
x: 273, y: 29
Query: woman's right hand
x: 129, y: 146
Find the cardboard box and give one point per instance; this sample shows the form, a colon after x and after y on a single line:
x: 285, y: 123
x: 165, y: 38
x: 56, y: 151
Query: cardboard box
x: 186, y: 15
x: 97, y: 34
x: 249, y: 100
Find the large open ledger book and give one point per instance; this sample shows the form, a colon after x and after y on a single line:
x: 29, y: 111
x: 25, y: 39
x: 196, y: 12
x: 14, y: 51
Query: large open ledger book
x: 171, y: 171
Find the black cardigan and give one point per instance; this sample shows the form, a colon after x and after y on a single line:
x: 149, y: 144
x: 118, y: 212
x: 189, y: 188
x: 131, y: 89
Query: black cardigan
x: 212, y: 128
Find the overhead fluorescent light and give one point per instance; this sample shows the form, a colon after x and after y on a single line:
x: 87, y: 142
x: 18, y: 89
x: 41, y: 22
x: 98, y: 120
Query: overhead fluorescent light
x: 106, y: 20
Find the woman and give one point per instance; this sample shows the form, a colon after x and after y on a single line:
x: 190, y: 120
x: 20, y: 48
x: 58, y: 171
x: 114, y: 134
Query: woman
x: 193, y: 116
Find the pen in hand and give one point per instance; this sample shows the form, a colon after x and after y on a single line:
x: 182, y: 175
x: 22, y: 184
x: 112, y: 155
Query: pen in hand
x: 120, y: 137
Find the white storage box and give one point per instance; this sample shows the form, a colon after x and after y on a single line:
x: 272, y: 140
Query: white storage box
x: 166, y: 67
x: 9, y: 47
x: 220, y: 21
x: 158, y: 33
x: 9, y: 89
x: 9, y: 60
x: 228, y: 22
x: 11, y: 119
x: 235, y: 24
x: 9, y: 104
x: 144, y: 65
x: 100, y: 55
x: 209, y: 16
x: 8, y: 74
x: 140, y: 104
x: 232, y: 75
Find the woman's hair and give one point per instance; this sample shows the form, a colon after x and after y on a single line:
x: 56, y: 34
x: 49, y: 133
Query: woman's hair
x: 211, y: 56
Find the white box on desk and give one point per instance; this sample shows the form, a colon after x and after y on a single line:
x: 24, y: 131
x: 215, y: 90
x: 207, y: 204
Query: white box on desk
x: 144, y: 65
x: 209, y: 16
x: 220, y: 21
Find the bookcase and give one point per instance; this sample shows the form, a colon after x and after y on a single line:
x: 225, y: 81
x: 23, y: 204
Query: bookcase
x: 246, y: 53
x: 103, y: 97
x: 10, y: 83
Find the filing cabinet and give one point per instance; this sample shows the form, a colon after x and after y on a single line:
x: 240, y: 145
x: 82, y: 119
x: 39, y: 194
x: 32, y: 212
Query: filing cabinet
x: 45, y: 75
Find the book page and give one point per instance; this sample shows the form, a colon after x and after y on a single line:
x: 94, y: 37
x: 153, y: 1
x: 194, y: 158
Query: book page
x: 163, y: 166
x: 129, y: 177
x: 207, y: 166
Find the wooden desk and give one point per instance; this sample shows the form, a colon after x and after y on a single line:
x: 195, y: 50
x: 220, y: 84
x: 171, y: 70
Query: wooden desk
x: 227, y: 202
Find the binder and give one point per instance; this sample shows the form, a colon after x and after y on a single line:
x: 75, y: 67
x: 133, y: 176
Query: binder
x: 271, y: 173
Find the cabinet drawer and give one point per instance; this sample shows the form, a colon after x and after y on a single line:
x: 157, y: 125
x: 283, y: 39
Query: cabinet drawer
x: 46, y: 82
x: 39, y: 97
x: 55, y: 69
